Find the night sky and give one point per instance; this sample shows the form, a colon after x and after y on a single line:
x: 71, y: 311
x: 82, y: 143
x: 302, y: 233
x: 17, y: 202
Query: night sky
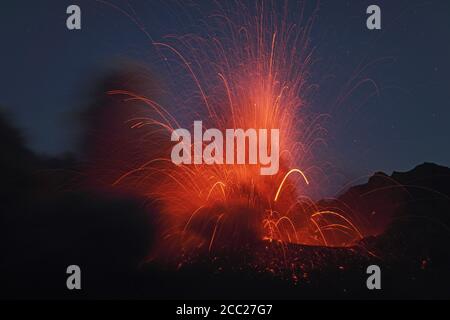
x: 48, y: 71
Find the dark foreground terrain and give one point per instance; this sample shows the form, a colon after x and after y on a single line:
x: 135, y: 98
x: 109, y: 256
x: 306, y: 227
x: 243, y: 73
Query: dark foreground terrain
x: 46, y: 225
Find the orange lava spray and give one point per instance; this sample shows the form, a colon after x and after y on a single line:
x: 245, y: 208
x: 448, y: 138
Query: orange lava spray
x: 249, y: 69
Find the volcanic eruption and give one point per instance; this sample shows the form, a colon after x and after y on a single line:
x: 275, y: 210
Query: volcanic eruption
x: 250, y: 68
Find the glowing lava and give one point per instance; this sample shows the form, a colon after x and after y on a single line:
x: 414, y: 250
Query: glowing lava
x: 249, y: 69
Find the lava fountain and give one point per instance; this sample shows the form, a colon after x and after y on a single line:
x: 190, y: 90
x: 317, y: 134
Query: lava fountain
x: 248, y: 67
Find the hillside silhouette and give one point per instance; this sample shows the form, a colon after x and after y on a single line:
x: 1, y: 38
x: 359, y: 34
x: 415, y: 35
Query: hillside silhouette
x: 49, y: 220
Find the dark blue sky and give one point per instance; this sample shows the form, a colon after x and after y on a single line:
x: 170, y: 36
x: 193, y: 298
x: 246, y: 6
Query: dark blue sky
x: 47, y: 72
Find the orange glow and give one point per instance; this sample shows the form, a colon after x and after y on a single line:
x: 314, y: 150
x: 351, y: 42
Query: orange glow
x: 250, y: 71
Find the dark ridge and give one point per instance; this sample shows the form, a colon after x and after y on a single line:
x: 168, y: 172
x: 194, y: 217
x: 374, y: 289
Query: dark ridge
x: 46, y: 226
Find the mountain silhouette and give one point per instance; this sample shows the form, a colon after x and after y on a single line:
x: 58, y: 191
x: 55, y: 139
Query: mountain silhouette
x: 50, y: 221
